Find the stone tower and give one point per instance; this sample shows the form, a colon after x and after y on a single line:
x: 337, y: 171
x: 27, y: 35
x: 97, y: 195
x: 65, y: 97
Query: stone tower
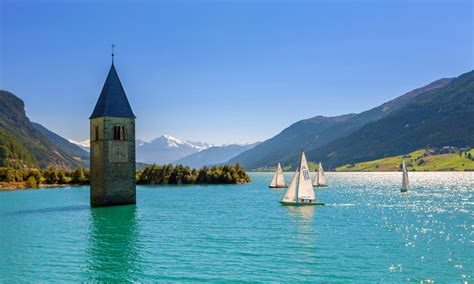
x: 112, y: 137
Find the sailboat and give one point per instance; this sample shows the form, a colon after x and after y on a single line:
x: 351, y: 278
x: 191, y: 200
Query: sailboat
x: 300, y: 191
x: 278, y: 180
x: 320, y: 179
x: 405, y: 182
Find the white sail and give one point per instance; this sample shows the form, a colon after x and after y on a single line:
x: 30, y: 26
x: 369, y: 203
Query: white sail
x: 290, y: 195
x: 405, y: 182
x: 274, y: 179
x: 320, y: 179
x: 278, y: 180
x: 305, y: 186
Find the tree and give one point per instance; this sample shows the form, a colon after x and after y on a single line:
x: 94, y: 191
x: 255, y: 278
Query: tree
x: 78, y: 176
x: 32, y: 182
x: 51, y: 176
x: 61, y: 177
x: 36, y: 174
x: 7, y: 175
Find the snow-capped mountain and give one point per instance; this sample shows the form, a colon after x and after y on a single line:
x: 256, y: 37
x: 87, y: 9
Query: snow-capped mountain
x: 167, y: 149
x: 85, y: 145
x: 172, y: 142
x: 139, y: 142
x: 214, y: 155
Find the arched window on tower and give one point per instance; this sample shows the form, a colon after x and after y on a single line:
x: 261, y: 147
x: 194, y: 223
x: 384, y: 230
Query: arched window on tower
x: 119, y: 133
x: 96, y: 133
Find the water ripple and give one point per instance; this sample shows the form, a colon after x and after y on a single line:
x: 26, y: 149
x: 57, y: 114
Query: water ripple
x: 368, y: 231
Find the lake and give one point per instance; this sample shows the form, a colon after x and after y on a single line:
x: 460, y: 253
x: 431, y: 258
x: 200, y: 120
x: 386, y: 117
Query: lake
x: 368, y: 231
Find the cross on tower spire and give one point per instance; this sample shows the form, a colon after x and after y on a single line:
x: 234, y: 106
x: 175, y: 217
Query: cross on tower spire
x: 113, y: 48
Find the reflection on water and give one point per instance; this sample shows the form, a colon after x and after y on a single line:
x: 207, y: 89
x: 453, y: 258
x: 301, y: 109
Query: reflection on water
x: 62, y: 209
x: 303, y: 218
x: 302, y: 214
x: 113, y: 244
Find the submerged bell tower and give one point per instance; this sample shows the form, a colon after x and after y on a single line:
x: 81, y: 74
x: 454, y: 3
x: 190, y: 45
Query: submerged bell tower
x: 112, y: 152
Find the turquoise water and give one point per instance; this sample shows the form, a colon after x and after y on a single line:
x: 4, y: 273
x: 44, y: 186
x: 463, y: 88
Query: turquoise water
x: 367, y: 232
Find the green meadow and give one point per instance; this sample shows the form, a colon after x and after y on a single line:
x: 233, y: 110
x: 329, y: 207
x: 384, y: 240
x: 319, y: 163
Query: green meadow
x: 420, y: 160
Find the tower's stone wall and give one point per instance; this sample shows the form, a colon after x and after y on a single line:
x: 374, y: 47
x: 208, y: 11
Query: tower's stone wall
x: 112, y: 162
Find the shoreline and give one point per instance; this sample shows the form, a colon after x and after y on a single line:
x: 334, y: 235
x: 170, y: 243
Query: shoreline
x: 12, y: 186
x: 410, y: 171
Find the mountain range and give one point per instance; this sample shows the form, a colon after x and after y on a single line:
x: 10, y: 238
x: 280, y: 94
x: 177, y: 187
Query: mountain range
x: 214, y: 155
x: 436, y: 115
x: 435, y: 118
x: 24, y: 143
x: 85, y: 145
x: 73, y: 150
x: 167, y: 149
x: 315, y: 132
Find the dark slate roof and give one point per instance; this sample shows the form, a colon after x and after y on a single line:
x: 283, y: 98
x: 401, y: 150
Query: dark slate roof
x: 113, y: 100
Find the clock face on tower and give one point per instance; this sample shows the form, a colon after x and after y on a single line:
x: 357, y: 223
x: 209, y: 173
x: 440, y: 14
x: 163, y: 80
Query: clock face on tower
x: 118, y: 152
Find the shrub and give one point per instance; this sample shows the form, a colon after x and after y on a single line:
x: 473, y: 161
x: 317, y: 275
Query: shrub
x: 31, y: 182
x: 78, y: 176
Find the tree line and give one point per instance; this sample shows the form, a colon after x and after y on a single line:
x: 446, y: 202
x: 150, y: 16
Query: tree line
x: 35, y: 177
x: 153, y: 174
x: 179, y: 174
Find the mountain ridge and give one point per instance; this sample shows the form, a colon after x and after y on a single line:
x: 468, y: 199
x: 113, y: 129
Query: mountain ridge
x: 15, y: 124
x: 214, y: 155
x: 436, y: 118
x: 71, y: 149
x: 166, y: 149
x: 318, y: 131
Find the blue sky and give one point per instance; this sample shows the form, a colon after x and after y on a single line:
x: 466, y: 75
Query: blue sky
x: 226, y: 71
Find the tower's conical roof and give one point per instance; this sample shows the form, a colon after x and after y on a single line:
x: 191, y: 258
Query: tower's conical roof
x: 113, y: 100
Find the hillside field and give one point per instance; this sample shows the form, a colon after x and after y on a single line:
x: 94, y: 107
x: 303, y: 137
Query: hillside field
x: 420, y: 160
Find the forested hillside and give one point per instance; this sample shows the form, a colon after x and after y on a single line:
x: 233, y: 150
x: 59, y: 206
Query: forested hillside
x: 318, y: 131
x: 23, y: 145
x: 437, y: 118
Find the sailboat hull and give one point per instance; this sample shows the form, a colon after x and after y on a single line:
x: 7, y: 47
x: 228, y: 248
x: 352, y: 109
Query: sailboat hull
x: 403, y: 190
x: 285, y: 203
x: 275, y: 186
x: 319, y: 185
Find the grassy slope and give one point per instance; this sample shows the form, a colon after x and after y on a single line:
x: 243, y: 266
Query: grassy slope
x: 443, y: 162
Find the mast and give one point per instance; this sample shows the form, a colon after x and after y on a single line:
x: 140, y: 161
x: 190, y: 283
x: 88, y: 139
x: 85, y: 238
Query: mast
x: 318, y: 180
x: 297, y: 184
x: 277, y: 174
x: 299, y: 174
x: 320, y: 171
